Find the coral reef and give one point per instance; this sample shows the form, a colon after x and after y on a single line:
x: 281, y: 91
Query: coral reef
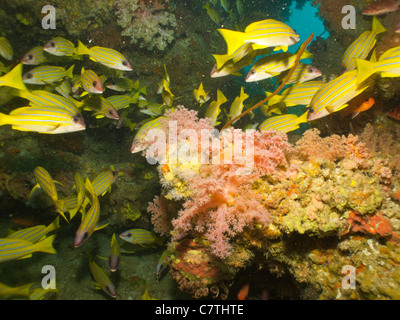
x: 338, y: 189
x: 147, y: 23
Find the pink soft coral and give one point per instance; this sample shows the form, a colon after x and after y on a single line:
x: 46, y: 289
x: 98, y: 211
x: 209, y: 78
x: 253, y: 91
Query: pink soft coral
x: 223, y: 200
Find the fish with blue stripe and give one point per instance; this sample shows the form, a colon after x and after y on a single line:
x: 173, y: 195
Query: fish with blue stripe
x: 298, y: 94
x: 6, y: 50
x: 59, y: 46
x: 102, y: 183
x: 213, y: 109
x: 91, y: 82
x: 48, y: 120
x: 80, y: 194
x: 47, y: 74
x: 35, y: 233
x: 362, y: 46
x: 302, y: 73
x: 34, y: 56
x: 161, y: 265
x: 88, y: 224
x: 284, y: 123
x: 101, y: 107
x: 261, y: 34
x: 334, y: 95
x: 115, y: 254
x: 41, y: 98
x: 273, y: 65
x: 141, y: 237
x: 46, y: 184
x: 12, y: 249
x: 388, y: 65
x: 140, y: 141
x: 237, y: 105
x: 105, y: 56
x: 103, y: 282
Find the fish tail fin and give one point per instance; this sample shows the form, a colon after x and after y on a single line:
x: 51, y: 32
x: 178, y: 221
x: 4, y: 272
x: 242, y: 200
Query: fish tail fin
x: 234, y: 39
x: 46, y: 245
x: 54, y: 225
x: 243, y: 95
x: 14, y: 78
x: 303, y: 117
x: 377, y: 26
x: 81, y: 49
x: 4, y: 119
x: 274, y: 100
x: 60, y: 205
x: 24, y: 290
x: 220, y: 60
x: 70, y: 71
x: 364, y: 69
x: 306, y: 54
x: 221, y: 98
x: 282, y: 47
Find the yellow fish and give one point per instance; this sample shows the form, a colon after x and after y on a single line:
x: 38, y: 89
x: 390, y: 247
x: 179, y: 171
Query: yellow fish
x: 388, y: 65
x: 237, y: 104
x: 273, y: 65
x: 59, y: 46
x: 334, y: 95
x: 200, y: 95
x: 49, y: 120
x: 284, y: 123
x: 11, y: 249
x: 46, y: 184
x: 214, y: 16
x: 298, y: 94
x: 6, y: 50
x: 362, y: 46
x: 261, y: 34
x: 22, y: 291
x: 213, y: 110
x: 47, y: 74
x: 105, y: 56
x: 102, y: 280
x: 13, y: 79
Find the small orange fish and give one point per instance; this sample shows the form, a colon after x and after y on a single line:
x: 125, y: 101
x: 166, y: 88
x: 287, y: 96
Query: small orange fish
x: 244, y: 292
x: 357, y: 106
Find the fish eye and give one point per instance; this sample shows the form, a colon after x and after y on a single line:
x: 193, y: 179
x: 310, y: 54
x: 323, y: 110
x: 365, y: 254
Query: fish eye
x: 311, y: 110
x: 52, y: 44
x: 94, y: 83
x: 85, y: 235
x: 124, y: 63
x: 110, y: 112
x: 30, y: 57
x: 310, y: 69
x: 75, y: 119
x: 29, y: 75
x: 129, y: 235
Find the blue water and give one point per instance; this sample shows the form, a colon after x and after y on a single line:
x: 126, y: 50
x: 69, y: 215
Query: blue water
x: 305, y: 21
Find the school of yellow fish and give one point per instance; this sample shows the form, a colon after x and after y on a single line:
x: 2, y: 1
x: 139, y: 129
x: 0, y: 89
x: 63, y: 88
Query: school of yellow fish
x: 57, y: 109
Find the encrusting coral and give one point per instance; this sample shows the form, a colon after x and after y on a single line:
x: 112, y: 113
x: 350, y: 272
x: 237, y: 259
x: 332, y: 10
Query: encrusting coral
x: 147, y: 23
